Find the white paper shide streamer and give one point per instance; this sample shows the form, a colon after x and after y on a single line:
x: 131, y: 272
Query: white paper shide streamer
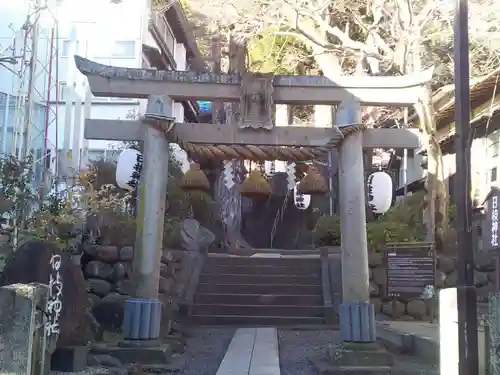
x: 228, y: 174
x: 290, y: 173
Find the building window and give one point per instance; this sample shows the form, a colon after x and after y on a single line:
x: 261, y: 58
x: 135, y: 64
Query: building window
x: 493, y: 150
x: 493, y: 174
x: 96, y: 155
x: 112, y: 155
x: 66, y: 45
x: 115, y: 99
x: 124, y: 49
x: 65, y: 48
x: 169, y: 38
x: 3, y: 106
x: 492, y: 158
x: 62, y: 90
x: 3, y: 100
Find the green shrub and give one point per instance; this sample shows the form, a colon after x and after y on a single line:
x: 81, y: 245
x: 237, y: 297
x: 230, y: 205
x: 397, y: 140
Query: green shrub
x: 327, y: 231
x: 402, y: 223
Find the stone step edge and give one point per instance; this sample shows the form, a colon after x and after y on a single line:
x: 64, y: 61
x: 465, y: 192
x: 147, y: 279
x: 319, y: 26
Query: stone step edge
x: 259, y: 275
x: 253, y: 305
x: 255, y: 317
x: 315, y: 273
x: 257, y: 294
x: 260, y: 285
x: 299, y: 264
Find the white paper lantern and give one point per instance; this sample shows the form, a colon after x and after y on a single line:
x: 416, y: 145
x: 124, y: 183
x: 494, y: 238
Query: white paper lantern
x: 380, y: 192
x: 128, y: 169
x: 302, y: 201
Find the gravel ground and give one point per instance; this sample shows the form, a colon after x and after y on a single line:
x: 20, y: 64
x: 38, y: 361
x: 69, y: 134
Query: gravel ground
x: 296, y: 347
x: 205, y: 349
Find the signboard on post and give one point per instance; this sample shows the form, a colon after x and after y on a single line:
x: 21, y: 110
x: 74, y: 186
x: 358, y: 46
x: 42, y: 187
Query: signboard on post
x: 411, y: 270
x: 490, y: 225
x: 490, y: 228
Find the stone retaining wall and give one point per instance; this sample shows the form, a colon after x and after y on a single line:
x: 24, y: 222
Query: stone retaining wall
x: 108, y: 272
x: 446, y: 276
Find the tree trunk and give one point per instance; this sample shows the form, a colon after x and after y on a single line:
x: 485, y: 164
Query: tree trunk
x: 229, y: 200
x: 437, y: 197
x: 410, y: 53
x: 328, y: 63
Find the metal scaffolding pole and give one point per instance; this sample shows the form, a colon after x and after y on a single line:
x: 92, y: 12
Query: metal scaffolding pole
x: 30, y: 100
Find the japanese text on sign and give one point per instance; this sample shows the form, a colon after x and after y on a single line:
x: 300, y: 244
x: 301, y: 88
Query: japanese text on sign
x: 494, y: 221
x: 54, y: 303
x: 410, y: 271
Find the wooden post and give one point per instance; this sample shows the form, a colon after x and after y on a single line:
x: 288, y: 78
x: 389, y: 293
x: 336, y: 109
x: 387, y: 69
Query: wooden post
x: 357, y: 320
x: 151, y: 205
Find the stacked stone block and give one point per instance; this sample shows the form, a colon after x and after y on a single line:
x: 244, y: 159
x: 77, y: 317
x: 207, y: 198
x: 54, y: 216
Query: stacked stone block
x: 107, y: 269
x: 108, y: 273
x: 446, y: 277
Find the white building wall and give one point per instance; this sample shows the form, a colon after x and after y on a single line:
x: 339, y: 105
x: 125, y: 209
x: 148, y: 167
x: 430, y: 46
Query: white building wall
x: 118, y: 43
x: 414, y: 171
x: 110, y: 34
x: 108, y: 111
x: 483, y: 162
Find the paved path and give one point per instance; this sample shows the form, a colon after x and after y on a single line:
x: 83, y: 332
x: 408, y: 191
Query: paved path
x: 253, y: 351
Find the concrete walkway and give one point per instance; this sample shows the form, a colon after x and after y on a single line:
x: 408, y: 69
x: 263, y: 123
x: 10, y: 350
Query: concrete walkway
x: 253, y: 351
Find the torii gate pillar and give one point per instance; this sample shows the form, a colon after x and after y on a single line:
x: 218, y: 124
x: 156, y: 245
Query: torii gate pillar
x: 357, y: 318
x: 151, y: 204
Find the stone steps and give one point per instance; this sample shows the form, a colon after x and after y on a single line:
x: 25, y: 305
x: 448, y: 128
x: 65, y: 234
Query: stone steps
x: 265, y: 269
x: 279, y: 289
x: 257, y: 321
x: 259, y: 291
x: 257, y: 279
x: 258, y: 310
x: 259, y: 299
x: 302, y: 261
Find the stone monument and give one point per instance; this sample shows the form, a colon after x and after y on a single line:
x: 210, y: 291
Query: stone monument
x: 22, y: 330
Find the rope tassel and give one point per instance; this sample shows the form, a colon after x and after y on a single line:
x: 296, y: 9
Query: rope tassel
x: 313, y: 183
x: 195, y: 179
x: 255, y: 186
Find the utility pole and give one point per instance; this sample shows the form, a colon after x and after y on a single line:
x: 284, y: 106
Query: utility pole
x: 30, y: 101
x: 466, y: 292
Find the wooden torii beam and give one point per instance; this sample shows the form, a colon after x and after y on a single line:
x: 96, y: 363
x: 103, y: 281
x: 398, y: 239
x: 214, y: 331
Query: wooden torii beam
x: 295, y: 90
x: 255, y: 127
x: 297, y: 136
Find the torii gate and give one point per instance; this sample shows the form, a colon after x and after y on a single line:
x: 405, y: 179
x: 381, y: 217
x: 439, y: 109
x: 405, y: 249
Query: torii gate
x: 253, y: 136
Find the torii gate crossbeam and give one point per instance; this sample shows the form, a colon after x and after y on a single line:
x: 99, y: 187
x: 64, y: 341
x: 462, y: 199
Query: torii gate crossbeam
x: 295, y: 90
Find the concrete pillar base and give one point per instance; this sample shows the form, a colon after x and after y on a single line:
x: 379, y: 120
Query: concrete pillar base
x: 141, y: 319
x: 355, y: 358
x: 357, y: 322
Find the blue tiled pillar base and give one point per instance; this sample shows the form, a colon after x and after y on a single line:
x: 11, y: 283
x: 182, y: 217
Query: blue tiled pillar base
x: 357, y: 322
x: 141, y: 319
